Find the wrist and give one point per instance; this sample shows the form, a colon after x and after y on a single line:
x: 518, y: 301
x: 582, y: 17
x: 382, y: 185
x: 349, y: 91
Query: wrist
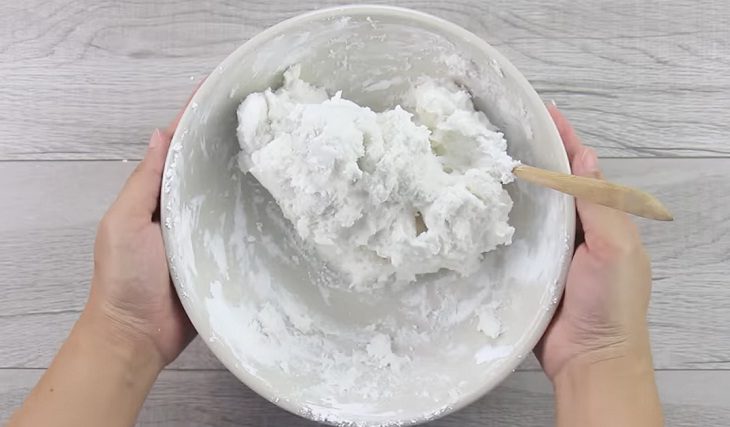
x: 630, y: 355
x: 608, y: 387
x: 625, y: 345
x: 98, y: 377
x: 604, y: 366
x: 127, y: 348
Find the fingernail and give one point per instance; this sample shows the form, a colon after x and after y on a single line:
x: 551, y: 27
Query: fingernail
x: 590, y: 160
x: 552, y: 102
x: 155, y: 138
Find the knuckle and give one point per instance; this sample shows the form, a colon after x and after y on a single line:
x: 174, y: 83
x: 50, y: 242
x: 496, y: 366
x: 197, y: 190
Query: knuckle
x: 621, y: 245
x: 140, y: 172
x: 148, y: 167
x: 108, y: 230
x: 105, y: 230
x: 142, y: 165
x: 616, y: 249
x: 106, y: 225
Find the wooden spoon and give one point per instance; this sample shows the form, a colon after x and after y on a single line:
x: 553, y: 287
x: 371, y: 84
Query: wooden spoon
x: 598, y: 191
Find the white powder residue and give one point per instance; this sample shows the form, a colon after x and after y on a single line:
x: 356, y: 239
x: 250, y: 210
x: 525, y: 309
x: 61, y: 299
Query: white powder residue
x: 216, y: 246
x: 278, y: 308
x: 489, y: 323
x: 353, y: 182
x: 490, y: 353
x: 380, y: 349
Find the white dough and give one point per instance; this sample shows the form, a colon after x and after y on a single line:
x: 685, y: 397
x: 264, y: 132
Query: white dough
x: 352, y: 181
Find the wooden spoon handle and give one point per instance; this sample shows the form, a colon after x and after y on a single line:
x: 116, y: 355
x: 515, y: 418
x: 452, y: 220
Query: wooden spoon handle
x: 598, y: 191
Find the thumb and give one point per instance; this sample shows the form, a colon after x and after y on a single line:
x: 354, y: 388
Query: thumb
x: 141, y: 193
x: 601, y: 225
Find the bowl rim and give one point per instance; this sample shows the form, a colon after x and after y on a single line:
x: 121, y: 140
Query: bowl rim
x: 531, y: 335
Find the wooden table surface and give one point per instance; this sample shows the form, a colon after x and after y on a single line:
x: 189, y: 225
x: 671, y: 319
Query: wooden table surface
x: 83, y: 83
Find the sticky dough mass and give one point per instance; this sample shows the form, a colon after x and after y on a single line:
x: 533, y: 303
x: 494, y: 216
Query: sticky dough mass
x: 353, y: 181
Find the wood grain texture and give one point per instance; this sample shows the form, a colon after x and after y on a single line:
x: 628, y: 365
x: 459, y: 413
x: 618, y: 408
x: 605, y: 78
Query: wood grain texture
x: 216, y: 398
x: 47, y: 235
x: 89, y: 79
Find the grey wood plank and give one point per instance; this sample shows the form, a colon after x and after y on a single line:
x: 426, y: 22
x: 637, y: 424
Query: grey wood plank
x: 88, y: 79
x: 47, y: 231
x: 214, y: 398
x: 50, y: 210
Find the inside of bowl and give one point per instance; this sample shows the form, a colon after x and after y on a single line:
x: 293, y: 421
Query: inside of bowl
x: 274, y: 313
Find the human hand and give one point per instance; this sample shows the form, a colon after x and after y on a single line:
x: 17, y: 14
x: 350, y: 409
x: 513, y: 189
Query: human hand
x: 603, y: 312
x: 131, y: 291
x: 133, y: 324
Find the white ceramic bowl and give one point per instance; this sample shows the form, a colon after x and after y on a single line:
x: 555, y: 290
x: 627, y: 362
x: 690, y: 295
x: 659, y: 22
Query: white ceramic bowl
x: 268, y: 309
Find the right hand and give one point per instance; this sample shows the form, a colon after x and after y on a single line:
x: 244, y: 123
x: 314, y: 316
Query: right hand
x: 603, y: 312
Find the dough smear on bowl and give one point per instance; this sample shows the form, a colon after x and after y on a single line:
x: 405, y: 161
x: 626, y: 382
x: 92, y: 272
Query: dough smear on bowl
x: 357, y: 184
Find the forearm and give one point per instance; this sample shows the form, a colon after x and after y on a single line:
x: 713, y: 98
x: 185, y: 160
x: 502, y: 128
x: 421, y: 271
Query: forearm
x: 98, y: 378
x: 614, y: 391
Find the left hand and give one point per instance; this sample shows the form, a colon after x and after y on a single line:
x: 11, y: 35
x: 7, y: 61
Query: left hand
x: 133, y: 324
x: 131, y: 290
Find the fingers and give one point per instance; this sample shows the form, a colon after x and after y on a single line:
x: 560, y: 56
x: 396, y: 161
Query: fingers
x: 140, y: 195
x: 141, y: 192
x: 601, y: 226
x: 571, y: 141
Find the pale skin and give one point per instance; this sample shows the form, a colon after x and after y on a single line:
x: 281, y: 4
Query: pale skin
x: 596, y: 351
